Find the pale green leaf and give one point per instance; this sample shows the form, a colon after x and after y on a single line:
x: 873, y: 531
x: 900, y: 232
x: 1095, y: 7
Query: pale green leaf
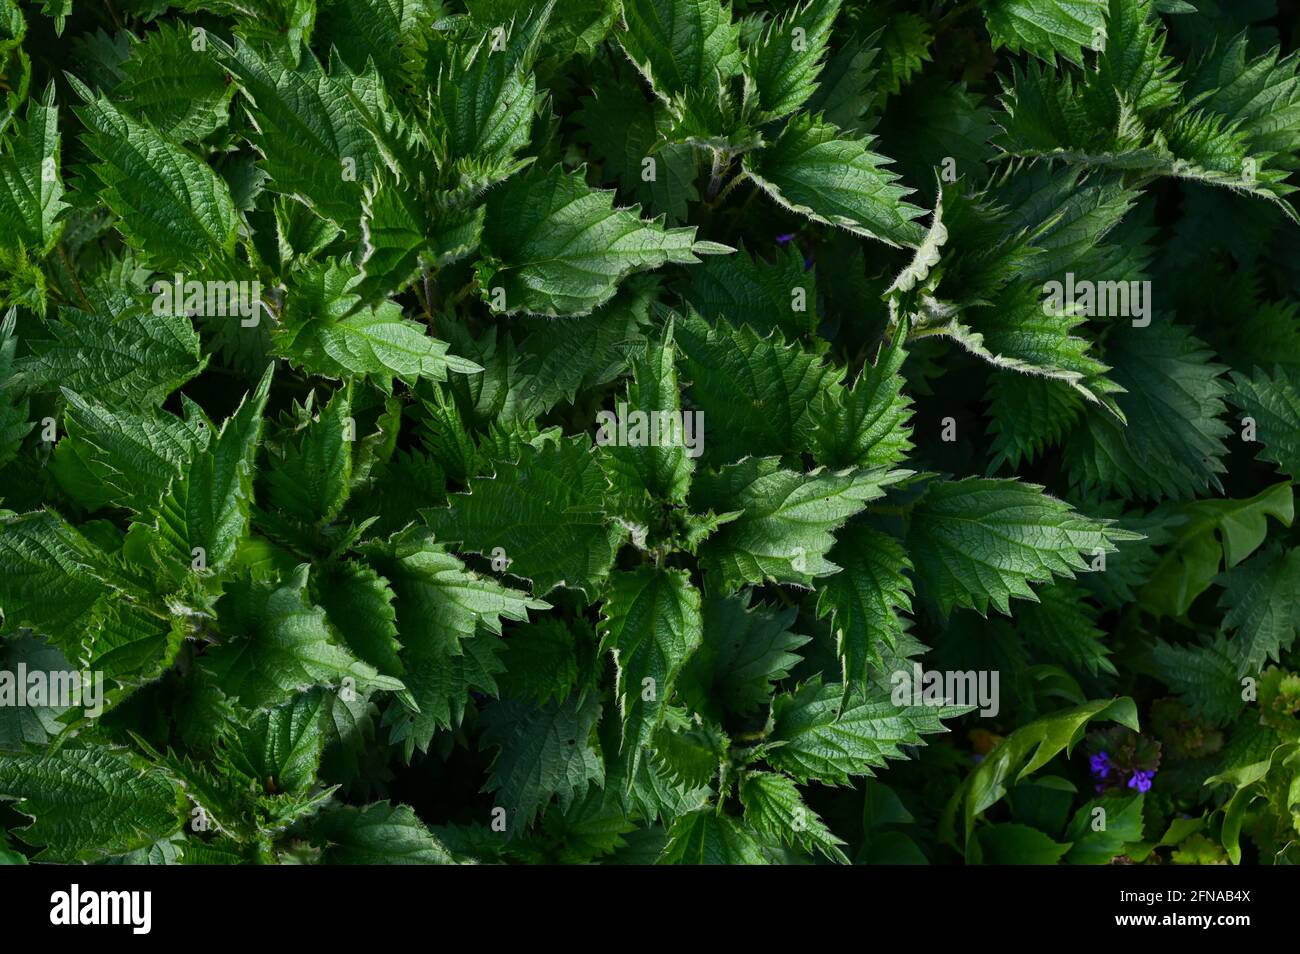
x: 555, y: 246
x: 784, y: 531
x: 545, y: 513
x: 977, y: 543
x: 651, y: 623
x: 90, y: 803
x: 278, y: 645
x: 680, y: 45
x: 823, y: 733
x: 812, y: 170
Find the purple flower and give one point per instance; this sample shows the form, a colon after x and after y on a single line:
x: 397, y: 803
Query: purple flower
x: 785, y: 238
x: 1100, y: 765
x: 1141, y: 780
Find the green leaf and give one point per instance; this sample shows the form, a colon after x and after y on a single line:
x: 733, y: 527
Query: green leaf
x: 1274, y: 403
x: 117, y: 354
x: 867, y: 424
x: 311, y: 129
x: 834, y: 733
x: 651, y: 623
x: 541, y: 660
x: 1251, y: 782
x: 47, y: 576
x: 743, y: 653
x: 706, y: 837
x: 265, y: 23
x: 441, y: 679
x: 311, y: 480
x: 784, y: 530
x: 204, y: 514
x: 1042, y: 803
x: 182, y: 92
x: 1216, y: 533
x: 88, y: 804
x: 484, y: 103
x: 1203, y: 676
x: 449, y: 620
x: 623, y: 131
x: 282, y: 747
x: 1129, y: 113
x: 813, y: 171
x: 171, y: 206
x: 1063, y: 626
x: 1048, y: 27
x: 1011, y: 844
x: 517, y: 30
x: 392, y: 33
x: 943, y: 126
x: 1028, y: 414
x: 544, y: 753
x: 756, y: 394
x: 776, y: 296
x: 1122, y: 821
x: 132, y: 645
x: 844, y: 95
x: 1133, y: 63
x: 359, y: 605
x: 278, y: 645
x: 1174, y: 435
x: 774, y: 808
x: 1022, y: 753
x: 979, y: 542
x: 28, y: 727
x: 438, y: 598
x: 544, y: 512
x: 785, y: 64
x: 658, y: 464
x: 905, y: 42
x: 133, y: 456
x: 1017, y: 333
x: 864, y: 600
x: 31, y: 189
x: 1261, y: 603
x: 378, y: 834
x: 1258, y: 98
x: 555, y: 246
x: 574, y: 28
x: 680, y: 45
x: 401, y: 234
x: 566, y: 355
x: 325, y: 330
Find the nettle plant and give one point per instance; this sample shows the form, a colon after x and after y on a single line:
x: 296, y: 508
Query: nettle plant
x: 557, y: 432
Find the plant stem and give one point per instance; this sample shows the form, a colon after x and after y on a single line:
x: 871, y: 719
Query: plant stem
x: 721, y: 160
x: 72, y: 273
x: 108, y: 4
x: 428, y: 296
x: 736, y: 180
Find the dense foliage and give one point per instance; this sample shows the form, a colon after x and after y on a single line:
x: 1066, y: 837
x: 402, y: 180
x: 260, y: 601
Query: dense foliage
x: 586, y: 430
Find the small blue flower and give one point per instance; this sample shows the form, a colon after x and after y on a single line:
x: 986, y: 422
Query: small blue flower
x: 785, y: 238
x: 1141, y: 780
x: 1100, y: 765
